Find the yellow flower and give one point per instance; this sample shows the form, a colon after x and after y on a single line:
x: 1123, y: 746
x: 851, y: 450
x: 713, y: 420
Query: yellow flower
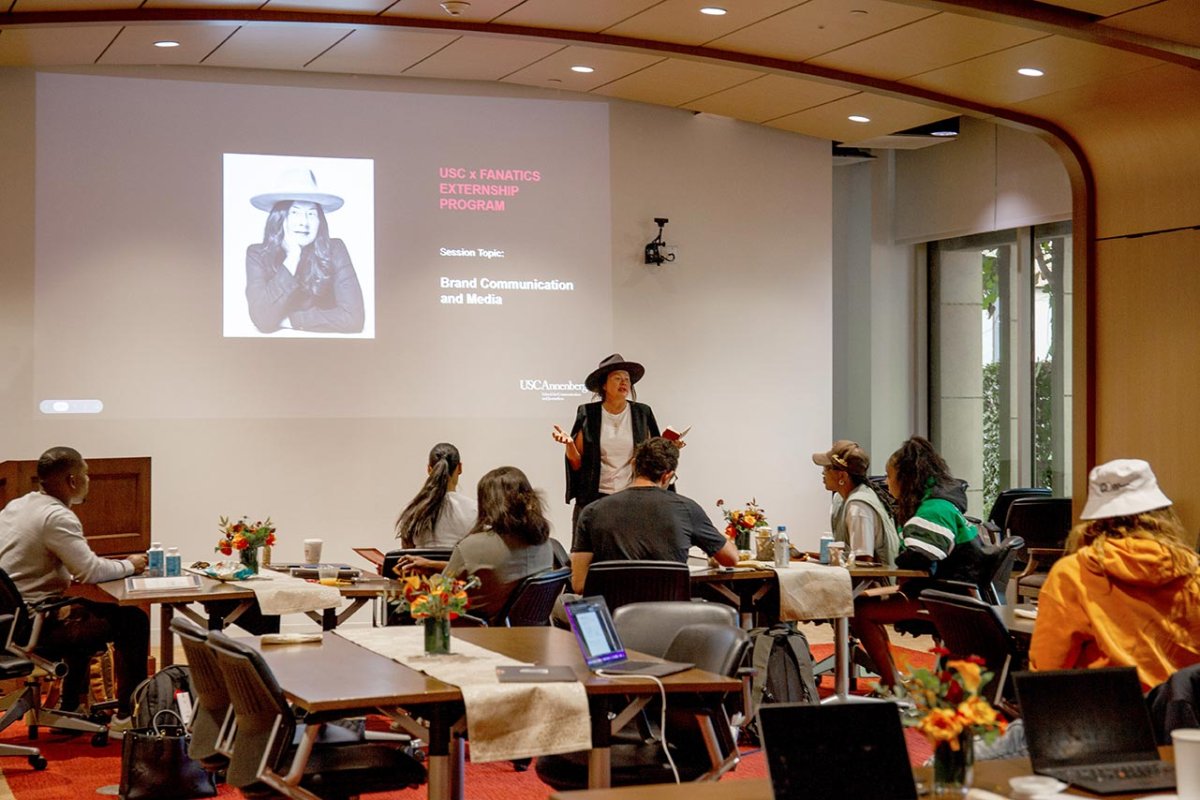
x: 749, y: 520
x: 977, y: 711
x: 970, y: 673
x: 942, y: 725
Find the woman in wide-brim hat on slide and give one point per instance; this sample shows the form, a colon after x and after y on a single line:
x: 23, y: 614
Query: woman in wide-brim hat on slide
x: 298, y: 277
x: 599, y: 449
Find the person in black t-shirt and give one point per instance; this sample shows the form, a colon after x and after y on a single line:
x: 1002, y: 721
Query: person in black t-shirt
x: 645, y: 521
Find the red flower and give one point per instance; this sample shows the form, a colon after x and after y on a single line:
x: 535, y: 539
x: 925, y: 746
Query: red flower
x: 241, y: 544
x: 226, y: 549
x: 941, y: 651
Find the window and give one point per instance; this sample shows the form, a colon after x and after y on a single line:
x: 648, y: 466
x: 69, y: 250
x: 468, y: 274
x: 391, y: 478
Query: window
x: 1000, y: 359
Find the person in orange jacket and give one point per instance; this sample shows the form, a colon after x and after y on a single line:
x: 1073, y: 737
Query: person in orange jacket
x: 1128, y: 592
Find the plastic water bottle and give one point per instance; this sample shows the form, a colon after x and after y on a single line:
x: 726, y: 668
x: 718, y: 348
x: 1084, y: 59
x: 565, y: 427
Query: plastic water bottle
x: 155, y: 568
x: 783, y: 547
x: 174, y: 562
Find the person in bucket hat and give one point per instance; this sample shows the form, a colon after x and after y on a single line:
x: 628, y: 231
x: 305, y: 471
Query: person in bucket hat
x: 1127, y: 592
x: 299, y: 277
x: 599, y: 449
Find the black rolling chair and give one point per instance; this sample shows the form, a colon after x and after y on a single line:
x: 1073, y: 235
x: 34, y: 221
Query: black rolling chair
x: 651, y: 627
x: 531, y: 602
x: 22, y: 641
x: 701, y: 741
x: 622, y: 582
x: 1004, y: 500
x: 264, y: 746
x: 971, y: 627
x: 15, y: 707
x: 1043, y: 522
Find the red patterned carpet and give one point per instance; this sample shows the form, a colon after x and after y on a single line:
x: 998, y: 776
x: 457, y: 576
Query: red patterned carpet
x: 78, y: 770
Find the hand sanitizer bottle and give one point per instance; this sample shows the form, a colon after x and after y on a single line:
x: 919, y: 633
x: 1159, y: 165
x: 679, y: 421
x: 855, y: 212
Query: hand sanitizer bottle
x: 174, y: 562
x: 155, y: 568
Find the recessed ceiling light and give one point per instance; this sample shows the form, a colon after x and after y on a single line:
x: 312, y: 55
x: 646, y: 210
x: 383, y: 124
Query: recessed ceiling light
x: 1030, y: 72
x: 858, y: 118
x: 943, y: 133
x: 581, y: 68
x: 167, y: 43
x: 713, y: 11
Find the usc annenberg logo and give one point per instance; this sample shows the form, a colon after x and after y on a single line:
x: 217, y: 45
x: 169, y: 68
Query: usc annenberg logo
x: 541, y: 385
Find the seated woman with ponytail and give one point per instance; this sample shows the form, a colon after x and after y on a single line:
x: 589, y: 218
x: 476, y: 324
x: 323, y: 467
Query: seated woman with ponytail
x: 510, y: 541
x: 438, y: 516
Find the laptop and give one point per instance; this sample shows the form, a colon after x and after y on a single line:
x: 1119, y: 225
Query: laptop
x: 837, y: 751
x: 601, y: 646
x: 1091, y: 728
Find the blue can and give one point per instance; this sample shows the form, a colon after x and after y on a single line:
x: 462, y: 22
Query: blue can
x: 826, y: 540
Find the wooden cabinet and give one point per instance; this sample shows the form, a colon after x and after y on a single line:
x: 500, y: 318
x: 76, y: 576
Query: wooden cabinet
x: 116, y: 514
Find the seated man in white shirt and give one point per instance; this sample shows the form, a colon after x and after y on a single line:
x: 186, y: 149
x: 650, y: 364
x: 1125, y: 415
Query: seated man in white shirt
x: 42, y: 549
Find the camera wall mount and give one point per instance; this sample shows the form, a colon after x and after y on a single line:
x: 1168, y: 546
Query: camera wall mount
x: 658, y: 251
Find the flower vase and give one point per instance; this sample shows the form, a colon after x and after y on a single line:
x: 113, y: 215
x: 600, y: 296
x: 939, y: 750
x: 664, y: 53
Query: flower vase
x: 953, y: 767
x: 741, y: 539
x: 249, y: 558
x: 437, y: 636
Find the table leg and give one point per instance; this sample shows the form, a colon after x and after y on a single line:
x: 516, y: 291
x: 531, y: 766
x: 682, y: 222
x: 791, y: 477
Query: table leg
x: 441, y: 783
x: 166, y: 638
x: 842, y: 666
x: 600, y: 756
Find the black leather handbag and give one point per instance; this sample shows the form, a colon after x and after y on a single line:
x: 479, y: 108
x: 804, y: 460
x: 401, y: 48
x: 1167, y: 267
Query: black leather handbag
x: 155, y: 764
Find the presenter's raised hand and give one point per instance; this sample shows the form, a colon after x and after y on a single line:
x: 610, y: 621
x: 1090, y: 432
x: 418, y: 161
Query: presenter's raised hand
x: 560, y: 436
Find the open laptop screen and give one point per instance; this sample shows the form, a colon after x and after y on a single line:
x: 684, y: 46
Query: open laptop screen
x: 594, y: 630
x: 835, y: 752
x: 1085, y: 716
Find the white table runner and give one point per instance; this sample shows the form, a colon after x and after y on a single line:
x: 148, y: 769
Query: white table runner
x: 280, y: 593
x: 505, y: 721
x: 814, y: 591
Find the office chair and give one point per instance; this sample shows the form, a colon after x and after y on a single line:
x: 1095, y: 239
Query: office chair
x: 11, y: 668
x: 22, y: 642
x: 650, y: 627
x: 971, y: 627
x: 265, y: 739
x: 622, y: 582
x: 999, y: 513
x: 702, y: 742
x: 531, y: 602
x: 212, y: 718
x: 1043, y: 522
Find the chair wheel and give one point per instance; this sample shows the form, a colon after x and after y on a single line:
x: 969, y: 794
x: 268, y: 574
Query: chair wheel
x: 38, y: 762
x: 33, y: 731
x: 100, y: 739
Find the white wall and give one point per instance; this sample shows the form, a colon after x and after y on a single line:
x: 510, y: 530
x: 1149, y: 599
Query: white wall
x: 735, y: 337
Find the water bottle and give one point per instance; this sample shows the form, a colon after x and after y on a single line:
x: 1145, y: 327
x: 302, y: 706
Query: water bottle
x: 783, y: 547
x: 155, y: 567
x: 174, y: 562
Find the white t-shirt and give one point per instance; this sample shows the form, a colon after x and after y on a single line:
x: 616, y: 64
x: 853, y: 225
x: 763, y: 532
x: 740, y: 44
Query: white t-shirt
x: 454, y: 522
x: 616, y: 450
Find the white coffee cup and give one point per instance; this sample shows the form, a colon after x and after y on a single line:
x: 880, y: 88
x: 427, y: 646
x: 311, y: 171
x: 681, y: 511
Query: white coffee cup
x: 1029, y: 787
x: 312, y: 551
x: 1187, y: 762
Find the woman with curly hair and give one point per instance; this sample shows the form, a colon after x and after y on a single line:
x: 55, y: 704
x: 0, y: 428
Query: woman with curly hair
x: 510, y: 541
x: 935, y: 537
x: 1127, y: 593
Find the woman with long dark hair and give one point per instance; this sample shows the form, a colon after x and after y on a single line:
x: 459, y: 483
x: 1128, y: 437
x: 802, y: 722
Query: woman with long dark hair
x: 510, y: 541
x: 299, y: 277
x: 935, y: 537
x: 438, y: 516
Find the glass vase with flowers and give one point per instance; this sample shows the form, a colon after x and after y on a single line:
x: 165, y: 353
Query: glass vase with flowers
x: 245, y: 538
x: 435, y: 600
x: 741, y: 523
x: 949, y: 709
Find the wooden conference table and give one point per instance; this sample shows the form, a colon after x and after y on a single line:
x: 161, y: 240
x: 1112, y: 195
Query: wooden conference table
x: 745, y: 589
x: 339, y: 678
x: 209, y: 590
x: 991, y: 776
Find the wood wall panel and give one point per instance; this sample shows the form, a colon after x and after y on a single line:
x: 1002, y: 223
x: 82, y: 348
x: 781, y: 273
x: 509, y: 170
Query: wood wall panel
x: 1147, y: 347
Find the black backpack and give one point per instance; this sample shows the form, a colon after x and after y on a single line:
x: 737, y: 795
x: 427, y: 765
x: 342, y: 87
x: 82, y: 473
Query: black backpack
x: 157, y: 693
x: 784, y: 667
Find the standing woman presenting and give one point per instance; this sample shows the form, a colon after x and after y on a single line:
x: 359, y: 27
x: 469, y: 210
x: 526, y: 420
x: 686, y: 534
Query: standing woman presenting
x: 599, y: 449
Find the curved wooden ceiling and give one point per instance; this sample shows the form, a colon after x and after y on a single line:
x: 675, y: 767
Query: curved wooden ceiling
x: 802, y: 66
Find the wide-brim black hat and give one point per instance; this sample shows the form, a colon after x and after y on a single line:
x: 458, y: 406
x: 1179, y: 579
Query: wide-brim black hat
x: 611, y: 364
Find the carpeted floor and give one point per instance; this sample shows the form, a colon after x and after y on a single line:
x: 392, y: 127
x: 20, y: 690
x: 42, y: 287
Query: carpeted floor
x: 78, y: 770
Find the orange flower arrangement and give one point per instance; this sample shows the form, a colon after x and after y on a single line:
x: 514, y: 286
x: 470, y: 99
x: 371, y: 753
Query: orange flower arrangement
x: 243, y: 534
x: 741, y: 522
x: 947, y: 700
x: 434, y: 596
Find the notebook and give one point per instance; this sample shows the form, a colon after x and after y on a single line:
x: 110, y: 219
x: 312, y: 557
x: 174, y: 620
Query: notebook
x: 601, y: 646
x: 1091, y: 728
x: 836, y: 751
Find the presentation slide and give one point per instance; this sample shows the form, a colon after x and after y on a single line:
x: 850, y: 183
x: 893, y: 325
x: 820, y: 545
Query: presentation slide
x: 228, y: 250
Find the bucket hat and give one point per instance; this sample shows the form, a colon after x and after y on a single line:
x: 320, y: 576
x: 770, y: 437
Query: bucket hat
x: 1122, y: 488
